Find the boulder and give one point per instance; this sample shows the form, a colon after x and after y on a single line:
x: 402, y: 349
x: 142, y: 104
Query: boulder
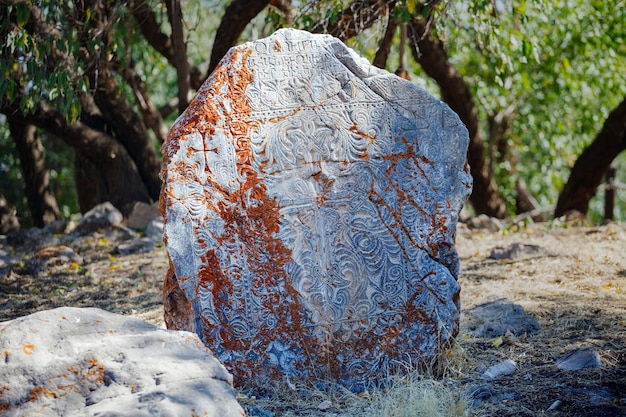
x: 88, y: 362
x: 310, y: 203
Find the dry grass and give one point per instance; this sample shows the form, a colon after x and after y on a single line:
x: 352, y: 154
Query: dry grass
x: 578, y: 295
x: 416, y: 396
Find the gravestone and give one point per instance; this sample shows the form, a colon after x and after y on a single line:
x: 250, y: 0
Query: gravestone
x: 310, y: 204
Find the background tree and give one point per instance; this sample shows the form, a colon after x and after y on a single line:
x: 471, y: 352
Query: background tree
x: 532, y: 80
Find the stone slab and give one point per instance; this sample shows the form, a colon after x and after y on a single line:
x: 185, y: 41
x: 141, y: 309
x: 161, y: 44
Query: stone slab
x: 310, y: 204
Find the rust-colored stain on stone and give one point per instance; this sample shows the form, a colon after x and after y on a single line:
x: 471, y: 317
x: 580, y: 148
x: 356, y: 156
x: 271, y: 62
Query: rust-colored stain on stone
x: 310, y: 203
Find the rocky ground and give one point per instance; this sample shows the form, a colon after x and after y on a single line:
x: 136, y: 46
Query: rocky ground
x: 570, y: 278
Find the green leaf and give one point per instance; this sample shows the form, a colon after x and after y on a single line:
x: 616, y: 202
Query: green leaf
x: 22, y: 14
x: 410, y: 6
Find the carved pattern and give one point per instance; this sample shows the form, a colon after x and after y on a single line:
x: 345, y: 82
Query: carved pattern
x: 310, y: 203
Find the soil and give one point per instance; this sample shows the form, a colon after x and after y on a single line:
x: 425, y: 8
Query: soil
x: 576, y: 289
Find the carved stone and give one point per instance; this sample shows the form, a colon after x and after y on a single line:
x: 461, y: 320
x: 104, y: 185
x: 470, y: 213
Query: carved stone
x: 310, y: 204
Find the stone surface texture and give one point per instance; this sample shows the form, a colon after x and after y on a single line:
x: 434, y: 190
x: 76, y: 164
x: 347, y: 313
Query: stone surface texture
x: 310, y: 204
x: 88, y: 362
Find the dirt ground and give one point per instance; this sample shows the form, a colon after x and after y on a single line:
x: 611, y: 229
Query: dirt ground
x: 576, y: 291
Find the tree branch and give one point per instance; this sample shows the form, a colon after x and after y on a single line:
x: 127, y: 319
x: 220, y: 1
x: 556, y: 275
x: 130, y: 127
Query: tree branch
x: 237, y: 16
x: 384, y: 46
x: 589, y: 168
x: 181, y: 64
x: 286, y: 8
x: 354, y: 19
x: 431, y: 54
x: 149, y: 27
x: 151, y: 115
x: 41, y: 202
x: 130, y: 131
x: 123, y: 185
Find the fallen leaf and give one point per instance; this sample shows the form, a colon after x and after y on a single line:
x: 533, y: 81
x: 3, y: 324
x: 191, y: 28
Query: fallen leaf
x: 497, y: 342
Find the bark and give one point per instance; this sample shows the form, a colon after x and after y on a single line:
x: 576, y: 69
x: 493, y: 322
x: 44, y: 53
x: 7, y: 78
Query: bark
x: 152, y: 116
x: 112, y: 176
x: 591, y: 165
x: 401, y: 71
x: 130, y: 131
x: 384, y: 46
x: 162, y: 43
x: 41, y: 201
x: 237, y: 16
x: 525, y: 202
x: 499, y: 130
x: 149, y: 27
x: 175, y: 16
x: 431, y: 54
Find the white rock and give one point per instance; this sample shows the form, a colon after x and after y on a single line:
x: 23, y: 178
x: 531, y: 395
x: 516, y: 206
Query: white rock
x: 503, y: 368
x: 88, y: 362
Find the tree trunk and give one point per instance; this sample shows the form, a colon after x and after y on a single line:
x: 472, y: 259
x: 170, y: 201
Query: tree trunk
x: 591, y: 165
x: 130, y: 131
x: 384, y: 46
x: 237, y: 16
x: 175, y: 16
x: 107, y: 173
x: 41, y: 201
x: 430, y: 53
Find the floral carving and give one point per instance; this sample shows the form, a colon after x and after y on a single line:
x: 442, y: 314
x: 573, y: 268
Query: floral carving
x: 310, y: 203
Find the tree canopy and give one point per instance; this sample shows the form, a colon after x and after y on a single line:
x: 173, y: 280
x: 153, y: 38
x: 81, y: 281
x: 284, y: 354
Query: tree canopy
x: 90, y: 88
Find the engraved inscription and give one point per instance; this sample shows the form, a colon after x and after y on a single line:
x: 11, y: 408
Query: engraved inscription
x: 310, y: 203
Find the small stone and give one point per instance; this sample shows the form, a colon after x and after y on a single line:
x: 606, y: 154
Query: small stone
x: 478, y: 394
x: 142, y: 214
x: 503, y: 368
x: 143, y: 245
x: 102, y: 216
x: 6, y: 259
x: 579, y: 359
x: 259, y: 412
x: 554, y: 405
x: 324, y: 405
x: 120, y: 234
x: 52, y: 256
x: 154, y: 231
x: 484, y: 222
x: 517, y: 251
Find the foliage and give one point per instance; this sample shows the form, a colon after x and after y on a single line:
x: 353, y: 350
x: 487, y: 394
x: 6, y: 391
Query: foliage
x: 560, y: 64
x: 557, y: 66
x: 10, y: 173
x: 59, y: 158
